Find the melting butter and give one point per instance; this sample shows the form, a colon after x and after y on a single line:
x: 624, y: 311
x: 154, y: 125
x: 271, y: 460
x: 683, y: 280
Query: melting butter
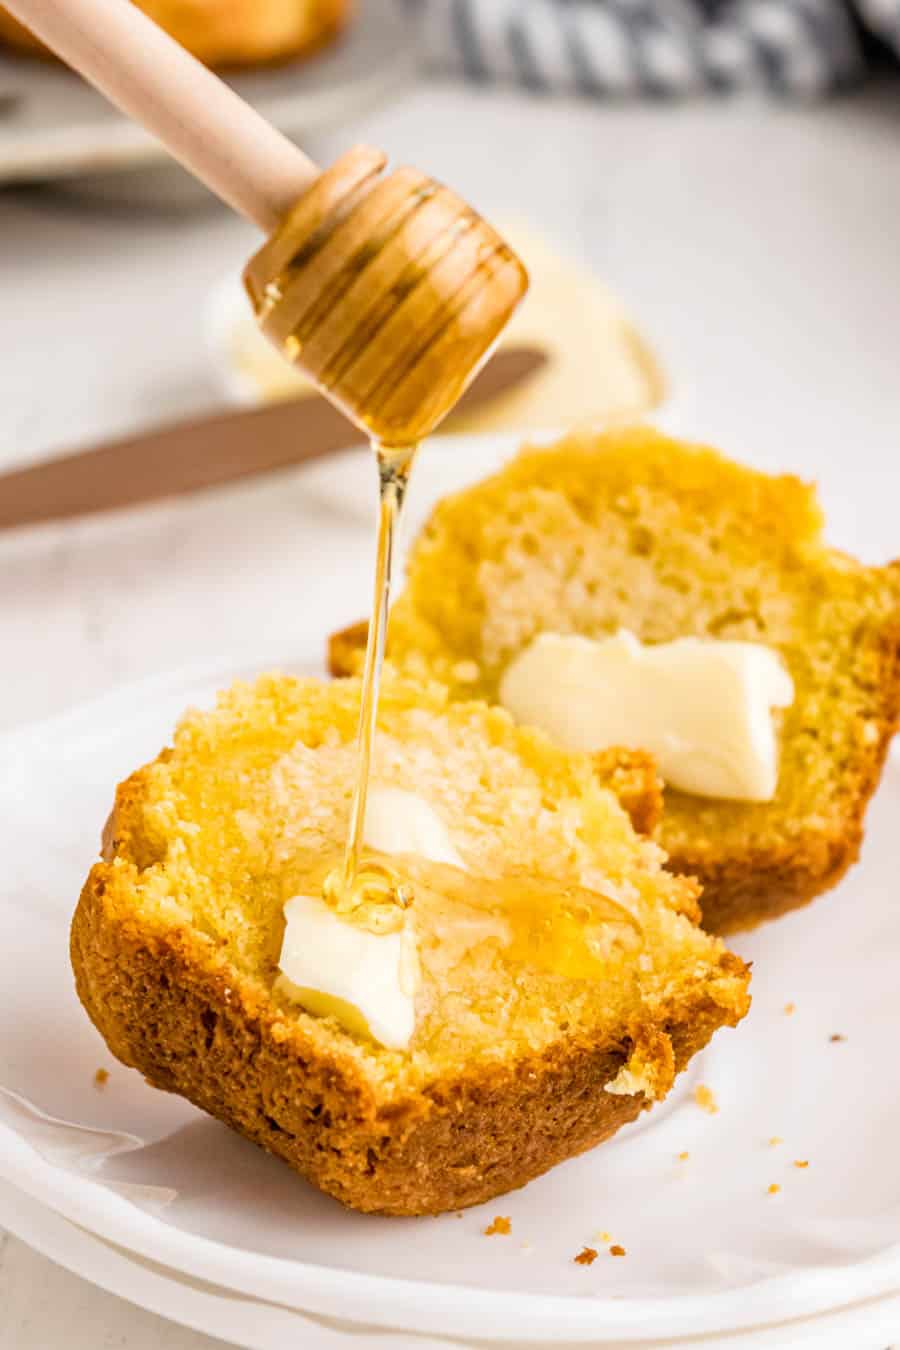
x: 702, y: 707
x: 335, y: 968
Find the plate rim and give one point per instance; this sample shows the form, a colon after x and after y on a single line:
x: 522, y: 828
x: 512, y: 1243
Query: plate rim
x: 425, y: 1306
x: 58, y: 1241
x: 86, y: 1255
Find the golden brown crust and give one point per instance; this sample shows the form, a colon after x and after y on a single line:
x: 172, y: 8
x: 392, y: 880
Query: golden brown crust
x: 169, y: 1006
x: 236, y: 33
x: 345, y: 649
x: 632, y: 775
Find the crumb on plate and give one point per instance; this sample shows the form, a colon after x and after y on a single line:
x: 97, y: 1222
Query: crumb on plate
x: 790, y: 1008
x: 773, y: 1189
x: 616, y: 1250
x: 801, y: 1162
x: 683, y: 1157
x: 586, y: 1257
x: 705, y: 1099
x: 775, y: 1141
x: 500, y: 1224
x: 101, y: 1078
x: 836, y: 1036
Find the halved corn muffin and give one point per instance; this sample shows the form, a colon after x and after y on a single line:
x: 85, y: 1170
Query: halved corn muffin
x: 634, y: 530
x: 540, y: 1027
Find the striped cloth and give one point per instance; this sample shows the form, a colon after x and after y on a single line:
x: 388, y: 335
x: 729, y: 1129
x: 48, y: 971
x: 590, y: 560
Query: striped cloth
x: 659, y: 48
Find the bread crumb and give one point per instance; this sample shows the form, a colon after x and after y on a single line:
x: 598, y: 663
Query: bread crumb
x: 775, y: 1141
x: 616, y: 1250
x: 586, y: 1257
x: 527, y: 1247
x: 101, y: 1078
x: 605, y: 1237
x: 836, y: 1036
x: 683, y: 1157
x: 801, y: 1162
x: 790, y: 1008
x: 705, y: 1099
x: 501, y: 1224
x: 773, y: 1189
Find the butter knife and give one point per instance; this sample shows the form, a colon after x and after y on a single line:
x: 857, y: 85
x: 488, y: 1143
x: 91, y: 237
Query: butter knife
x: 185, y: 457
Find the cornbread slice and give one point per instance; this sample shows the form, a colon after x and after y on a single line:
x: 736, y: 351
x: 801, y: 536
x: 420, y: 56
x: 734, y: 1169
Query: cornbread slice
x: 517, y: 1061
x: 631, y: 529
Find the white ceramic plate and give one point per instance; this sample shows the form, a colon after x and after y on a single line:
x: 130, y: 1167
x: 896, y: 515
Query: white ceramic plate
x: 265, y: 1326
x: 53, y: 125
x: 247, y: 1322
x: 708, y: 1249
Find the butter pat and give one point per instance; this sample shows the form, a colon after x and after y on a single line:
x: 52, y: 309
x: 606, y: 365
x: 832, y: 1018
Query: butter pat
x: 701, y: 707
x: 334, y: 967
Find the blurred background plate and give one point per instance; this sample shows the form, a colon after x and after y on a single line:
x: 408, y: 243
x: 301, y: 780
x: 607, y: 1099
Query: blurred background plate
x: 55, y: 127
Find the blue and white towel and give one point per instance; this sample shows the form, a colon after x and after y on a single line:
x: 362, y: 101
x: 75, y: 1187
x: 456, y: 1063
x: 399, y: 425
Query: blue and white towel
x: 661, y: 48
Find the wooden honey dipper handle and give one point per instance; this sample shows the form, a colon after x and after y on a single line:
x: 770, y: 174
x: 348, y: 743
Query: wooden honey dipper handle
x: 224, y: 142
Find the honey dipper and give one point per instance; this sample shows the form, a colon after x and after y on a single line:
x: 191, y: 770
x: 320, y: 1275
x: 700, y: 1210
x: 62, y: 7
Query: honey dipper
x: 385, y: 287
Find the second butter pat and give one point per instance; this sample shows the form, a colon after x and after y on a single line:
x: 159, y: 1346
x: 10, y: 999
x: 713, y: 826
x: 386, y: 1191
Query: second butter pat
x: 702, y: 707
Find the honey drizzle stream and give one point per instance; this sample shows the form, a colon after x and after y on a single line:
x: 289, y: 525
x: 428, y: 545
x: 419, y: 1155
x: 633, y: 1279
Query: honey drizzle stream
x: 394, y: 466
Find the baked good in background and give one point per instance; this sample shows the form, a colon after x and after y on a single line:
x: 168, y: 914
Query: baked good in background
x: 226, y: 32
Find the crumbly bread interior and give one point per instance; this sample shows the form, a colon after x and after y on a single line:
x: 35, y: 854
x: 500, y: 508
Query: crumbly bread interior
x: 235, y: 818
x: 632, y: 529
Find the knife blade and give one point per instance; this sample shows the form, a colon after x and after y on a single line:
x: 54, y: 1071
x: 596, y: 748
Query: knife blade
x: 185, y: 457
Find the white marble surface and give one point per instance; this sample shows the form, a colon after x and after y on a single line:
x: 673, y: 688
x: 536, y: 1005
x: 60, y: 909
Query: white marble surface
x: 757, y: 244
